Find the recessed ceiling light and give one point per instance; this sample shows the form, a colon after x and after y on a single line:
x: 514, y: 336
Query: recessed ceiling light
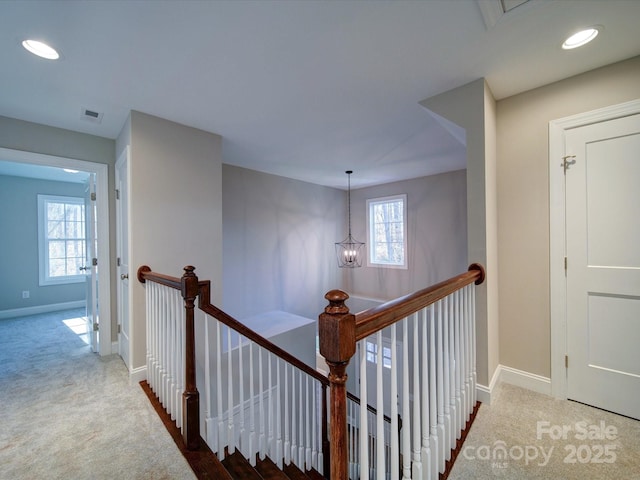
x: 70, y: 170
x: 580, y: 38
x: 41, y: 49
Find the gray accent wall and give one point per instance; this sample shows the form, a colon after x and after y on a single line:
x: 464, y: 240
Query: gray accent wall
x: 19, y: 244
x: 436, y: 235
x: 279, y: 237
x: 278, y: 243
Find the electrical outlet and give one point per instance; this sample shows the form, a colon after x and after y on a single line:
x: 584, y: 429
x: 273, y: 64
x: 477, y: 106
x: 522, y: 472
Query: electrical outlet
x: 25, y: 294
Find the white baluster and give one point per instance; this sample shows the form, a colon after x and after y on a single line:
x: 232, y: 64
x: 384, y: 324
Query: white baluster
x: 446, y: 378
x: 294, y: 418
x: 262, y: 438
x: 394, y: 439
x: 271, y: 411
x: 424, y: 395
x: 456, y: 361
x: 364, y: 423
x: 278, y: 418
x: 433, y: 405
x: 230, y: 426
x: 308, y: 396
x: 242, y: 441
x: 406, y: 416
x: 416, y: 467
x: 452, y: 378
x: 252, y: 410
x: 221, y: 431
x: 287, y: 444
x: 314, y: 425
x: 442, y: 434
x: 474, y: 377
x: 380, y: 470
x: 300, y: 421
x: 207, y: 379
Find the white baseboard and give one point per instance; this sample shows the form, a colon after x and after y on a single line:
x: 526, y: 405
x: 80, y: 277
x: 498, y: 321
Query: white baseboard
x: 115, y: 347
x: 136, y: 375
x: 513, y: 376
x: 55, y: 307
x: 530, y: 381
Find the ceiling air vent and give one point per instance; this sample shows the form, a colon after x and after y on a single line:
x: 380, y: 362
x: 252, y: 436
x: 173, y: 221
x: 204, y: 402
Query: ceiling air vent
x: 91, y: 115
x: 494, y: 10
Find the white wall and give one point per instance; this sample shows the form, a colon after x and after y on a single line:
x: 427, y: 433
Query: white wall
x: 176, y: 208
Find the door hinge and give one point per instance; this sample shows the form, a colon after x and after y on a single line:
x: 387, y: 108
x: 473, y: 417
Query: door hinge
x: 117, y: 194
x: 566, y: 361
x: 119, y: 329
x: 94, y: 261
x: 93, y: 196
x: 565, y: 264
x: 118, y: 262
x: 96, y: 327
x: 566, y: 162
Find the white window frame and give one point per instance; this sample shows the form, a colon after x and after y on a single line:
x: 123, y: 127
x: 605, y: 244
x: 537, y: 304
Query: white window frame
x: 371, y: 260
x: 43, y: 250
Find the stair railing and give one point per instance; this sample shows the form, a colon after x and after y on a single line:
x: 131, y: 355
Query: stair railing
x: 258, y: 398
x: 431, y: 380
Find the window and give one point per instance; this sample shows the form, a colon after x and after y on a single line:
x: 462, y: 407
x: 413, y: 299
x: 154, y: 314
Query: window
x: 372, y: 354
x: 387, y: 232
x: 61, y: 239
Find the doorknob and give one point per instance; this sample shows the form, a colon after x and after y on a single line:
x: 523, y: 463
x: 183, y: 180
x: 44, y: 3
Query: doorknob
x: 124, y: 276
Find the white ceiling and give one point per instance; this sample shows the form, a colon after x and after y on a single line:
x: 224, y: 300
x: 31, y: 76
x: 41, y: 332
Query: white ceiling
x: 304, y: 89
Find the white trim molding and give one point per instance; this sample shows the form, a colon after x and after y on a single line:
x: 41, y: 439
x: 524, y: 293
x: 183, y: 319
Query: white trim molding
x: 137, y: 375
x: 102, y: 193
x: 54, y: 307
x: 557, y: 238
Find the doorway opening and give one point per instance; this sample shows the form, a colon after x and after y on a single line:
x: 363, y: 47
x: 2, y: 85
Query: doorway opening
x: 100, y: 278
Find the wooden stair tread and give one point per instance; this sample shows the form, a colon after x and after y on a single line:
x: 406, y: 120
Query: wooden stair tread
x: 294, y: 473
x: 270, y: 470
x: 240, y: 468
x: 314, y: 475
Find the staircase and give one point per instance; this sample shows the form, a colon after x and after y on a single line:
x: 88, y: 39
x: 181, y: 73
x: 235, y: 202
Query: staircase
x: 268, y: 415
x: 205, y: 463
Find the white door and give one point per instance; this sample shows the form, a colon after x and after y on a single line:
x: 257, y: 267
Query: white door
x: 122, y: 234
x: 91, y: 266
x: 603, y: 265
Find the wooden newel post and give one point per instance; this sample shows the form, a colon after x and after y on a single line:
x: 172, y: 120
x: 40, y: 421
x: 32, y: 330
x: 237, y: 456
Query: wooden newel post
x: 337, y: 332
x: 190, y: 396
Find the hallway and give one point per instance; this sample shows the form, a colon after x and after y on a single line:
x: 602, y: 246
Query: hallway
x: 70, y: 414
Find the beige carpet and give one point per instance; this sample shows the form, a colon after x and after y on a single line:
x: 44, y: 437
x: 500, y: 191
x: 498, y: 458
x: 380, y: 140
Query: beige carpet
x: 66, y: 413
x: 526, y: 435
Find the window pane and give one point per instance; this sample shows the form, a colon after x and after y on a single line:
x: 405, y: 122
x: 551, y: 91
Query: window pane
x: 55, y: 211
x: 56, y: 250
x: 63, y: 231
x: 55, y: 229
x: 57, y: 268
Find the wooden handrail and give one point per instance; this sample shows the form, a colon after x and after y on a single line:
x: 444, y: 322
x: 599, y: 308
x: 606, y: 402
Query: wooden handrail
x: 246, y: 332
x: 374, y: 319
x: 340, y: 330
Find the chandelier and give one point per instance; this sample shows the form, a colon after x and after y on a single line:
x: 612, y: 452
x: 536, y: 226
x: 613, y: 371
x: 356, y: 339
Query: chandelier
x: 349, y: 251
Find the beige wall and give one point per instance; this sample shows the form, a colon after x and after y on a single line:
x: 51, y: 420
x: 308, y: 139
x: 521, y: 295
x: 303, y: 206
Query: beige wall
x: 176, y: 208
x: 472, y: 107
x: 523, y: 202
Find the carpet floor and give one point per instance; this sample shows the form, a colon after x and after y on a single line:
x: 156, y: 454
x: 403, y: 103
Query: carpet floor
x: 67, y: 413
x: 527, y: 435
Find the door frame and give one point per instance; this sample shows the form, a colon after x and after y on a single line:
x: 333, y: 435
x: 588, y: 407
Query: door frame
x: 101, y: 171
x: 125, y: 156
x: 557, y: 233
